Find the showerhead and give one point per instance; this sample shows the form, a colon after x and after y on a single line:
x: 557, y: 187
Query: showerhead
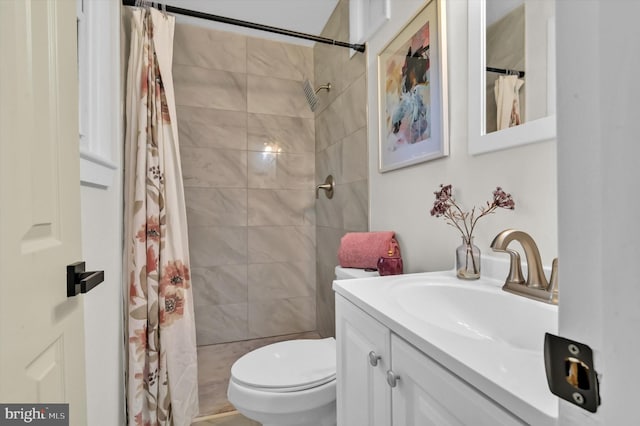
x: 310, y: 94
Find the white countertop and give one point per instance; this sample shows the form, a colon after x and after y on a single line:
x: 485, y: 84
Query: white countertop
x: 512, y: 376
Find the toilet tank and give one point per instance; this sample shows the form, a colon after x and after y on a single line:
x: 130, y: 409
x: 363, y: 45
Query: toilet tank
x: 349, y: 273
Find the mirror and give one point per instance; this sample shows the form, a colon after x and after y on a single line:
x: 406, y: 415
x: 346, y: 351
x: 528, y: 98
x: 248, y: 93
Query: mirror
x: 511, y: 73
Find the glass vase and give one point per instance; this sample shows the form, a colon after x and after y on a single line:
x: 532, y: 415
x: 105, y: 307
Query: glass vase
x: 468, y: 260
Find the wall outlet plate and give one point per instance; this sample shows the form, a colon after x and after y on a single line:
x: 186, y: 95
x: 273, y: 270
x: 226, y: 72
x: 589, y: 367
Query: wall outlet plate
x: 570, y: 372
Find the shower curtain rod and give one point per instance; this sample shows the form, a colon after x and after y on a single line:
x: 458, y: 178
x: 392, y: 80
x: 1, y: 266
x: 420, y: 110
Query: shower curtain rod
x: 520, y: 74
x: 261, y: 27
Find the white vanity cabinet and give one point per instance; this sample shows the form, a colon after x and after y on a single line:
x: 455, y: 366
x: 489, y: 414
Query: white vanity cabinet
x: 406, y: 387
x: 364, y: 349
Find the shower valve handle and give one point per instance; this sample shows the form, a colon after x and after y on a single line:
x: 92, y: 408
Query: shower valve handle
x: 328, y: 185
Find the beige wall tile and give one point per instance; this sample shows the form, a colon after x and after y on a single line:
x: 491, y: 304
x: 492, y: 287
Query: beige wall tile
x: 354, y: 155
x: 281, y: 171
x: 290, y: 134
x: 325, y: 320
x: 216, y: 207
x: 329, y: 162
x: 354, y: 68
x: 326, y: 261
x: 234, y: 95
x: 204, y: 47
x: 212, y: 128
x: 355, y: 212
x: 221, y: 323
x: 354, y: 106
x: 277, y: 96
x: 219, y: 285
x: 281, y: 316
x: 330, y: 125
x: 338, y: 25
x: 203, y: 87
x: 340, y: 145
x: 281, y: 280
x: 328, y: 242
x: 268, y: 58
x: 329, y: 211
x: 214, y: 168
x: 269, y: 244
x: 214, y: 246
x: 281, y: 207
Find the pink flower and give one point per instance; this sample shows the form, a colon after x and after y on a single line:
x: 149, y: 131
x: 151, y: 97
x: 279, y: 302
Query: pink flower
x: 139, y: 338
x: 445, y: 192
x: 445, y: 205
x: 151, y: 230
x: 173, y: 308
x: 174, y: 274
x: 152, y: 262
x: 133, y: 292
x: 503, y: 200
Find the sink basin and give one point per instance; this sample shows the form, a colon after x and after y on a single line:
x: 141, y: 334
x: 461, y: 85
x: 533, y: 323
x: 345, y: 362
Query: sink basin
x: 478, y: 312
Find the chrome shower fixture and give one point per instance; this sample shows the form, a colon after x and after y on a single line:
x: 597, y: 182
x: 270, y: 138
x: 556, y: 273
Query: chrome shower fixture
x: 310, y: 94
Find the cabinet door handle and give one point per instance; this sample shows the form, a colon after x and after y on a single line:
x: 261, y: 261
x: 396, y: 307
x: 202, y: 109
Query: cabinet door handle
x: 374, y: 358
x: 392, y: 378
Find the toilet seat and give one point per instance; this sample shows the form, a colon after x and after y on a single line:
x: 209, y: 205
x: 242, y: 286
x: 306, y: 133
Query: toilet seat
x: 287, y: 366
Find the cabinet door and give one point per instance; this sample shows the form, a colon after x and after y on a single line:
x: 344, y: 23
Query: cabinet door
x: 363, y: 395
x: 428, y: 394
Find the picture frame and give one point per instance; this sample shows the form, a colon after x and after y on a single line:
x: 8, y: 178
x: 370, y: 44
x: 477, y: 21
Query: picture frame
x: 413, y: 92
x: 540, y: 74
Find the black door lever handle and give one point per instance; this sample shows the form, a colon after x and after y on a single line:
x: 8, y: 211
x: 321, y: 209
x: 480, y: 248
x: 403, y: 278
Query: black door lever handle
x: 81, y: 281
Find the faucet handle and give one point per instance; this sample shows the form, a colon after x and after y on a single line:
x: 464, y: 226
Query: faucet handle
x: 553, y: 282
x: 515, y: 269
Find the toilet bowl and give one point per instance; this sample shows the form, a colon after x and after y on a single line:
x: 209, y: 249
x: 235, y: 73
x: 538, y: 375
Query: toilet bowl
x: 289, y: 383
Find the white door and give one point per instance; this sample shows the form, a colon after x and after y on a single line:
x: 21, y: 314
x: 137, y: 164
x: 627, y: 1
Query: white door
x: 41, y: 330
x: 363, y: 396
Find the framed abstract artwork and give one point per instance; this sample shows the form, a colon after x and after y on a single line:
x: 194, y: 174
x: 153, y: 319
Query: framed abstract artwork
x: 412, y: 92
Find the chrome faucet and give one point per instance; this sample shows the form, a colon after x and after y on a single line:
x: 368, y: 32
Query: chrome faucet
x: 536, y: 285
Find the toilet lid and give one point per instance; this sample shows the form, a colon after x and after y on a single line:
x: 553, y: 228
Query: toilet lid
x: 288, y: 366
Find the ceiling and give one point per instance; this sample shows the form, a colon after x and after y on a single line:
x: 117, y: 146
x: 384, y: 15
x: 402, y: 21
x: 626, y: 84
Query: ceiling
x: 307, y: 16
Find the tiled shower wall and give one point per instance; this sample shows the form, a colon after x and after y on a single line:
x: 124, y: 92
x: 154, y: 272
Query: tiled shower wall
x: 341, y: 150
x: 247, y: 146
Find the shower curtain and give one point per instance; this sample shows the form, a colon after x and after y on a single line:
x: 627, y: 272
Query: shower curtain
x: 162, y: 386
x: 507, y: 93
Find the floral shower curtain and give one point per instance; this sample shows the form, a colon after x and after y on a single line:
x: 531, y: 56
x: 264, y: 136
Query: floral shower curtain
x: 162, y: 387
x: 507, y: 93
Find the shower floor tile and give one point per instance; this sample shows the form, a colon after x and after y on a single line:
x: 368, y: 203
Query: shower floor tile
x: 233, y: 419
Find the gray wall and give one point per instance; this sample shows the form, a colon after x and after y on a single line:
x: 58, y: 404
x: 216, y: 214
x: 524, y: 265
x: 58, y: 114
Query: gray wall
x: 341, y: 150
x: 250, y: 212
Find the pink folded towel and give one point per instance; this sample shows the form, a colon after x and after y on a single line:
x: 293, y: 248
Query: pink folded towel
x: 363, y: 249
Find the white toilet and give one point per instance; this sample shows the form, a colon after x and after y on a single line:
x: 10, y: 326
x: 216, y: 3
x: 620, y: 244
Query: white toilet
x: 290, y: 383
